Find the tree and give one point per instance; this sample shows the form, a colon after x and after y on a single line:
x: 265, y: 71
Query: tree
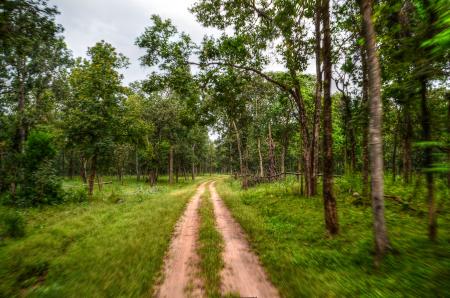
x: 375, y: 133
x: 90, y: 116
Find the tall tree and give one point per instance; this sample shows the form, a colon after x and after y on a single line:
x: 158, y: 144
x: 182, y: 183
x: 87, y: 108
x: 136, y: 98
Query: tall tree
x: 375, y: 132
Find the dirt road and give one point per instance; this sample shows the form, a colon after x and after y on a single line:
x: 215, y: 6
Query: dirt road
x: 180, y: 273
x: 243, y: 273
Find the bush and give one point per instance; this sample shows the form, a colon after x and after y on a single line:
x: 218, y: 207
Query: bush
x: 40, y: 183
x: 76, y: 196
x: 12, y: 224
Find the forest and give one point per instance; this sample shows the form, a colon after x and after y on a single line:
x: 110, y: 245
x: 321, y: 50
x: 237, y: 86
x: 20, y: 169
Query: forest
x: 333, y: 182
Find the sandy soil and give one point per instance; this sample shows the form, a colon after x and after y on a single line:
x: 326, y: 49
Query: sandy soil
x: 180, y: 273
x: 243, y: 273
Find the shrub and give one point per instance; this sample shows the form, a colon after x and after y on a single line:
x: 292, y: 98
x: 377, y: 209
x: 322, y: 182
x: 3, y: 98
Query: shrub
x: 76, y: 196
x: 12, y: 224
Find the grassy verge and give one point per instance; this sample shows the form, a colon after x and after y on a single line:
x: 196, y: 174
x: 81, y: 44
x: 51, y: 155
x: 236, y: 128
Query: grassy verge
x: 112, y: 246
x: 287, y: 231
x: 210, y: 248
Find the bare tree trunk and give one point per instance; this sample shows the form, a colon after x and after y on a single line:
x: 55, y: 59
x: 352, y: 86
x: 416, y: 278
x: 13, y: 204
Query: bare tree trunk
x: 428, y: 161
x: 261, y: 167
x: 21, y: 112
x: 407, y: 147
x: 193, y: 163
x: 138, y: 173
x: 394, y: 158
x: 283, y: 159
x: 317, y: 100
x: 241, y: 160
x: 375, y: 133
x: 171, y: 164
x: 272, y: 166
x: 83, y: 175
x: 331, y: 217
x: 365, y: 124
x: 92, y: 175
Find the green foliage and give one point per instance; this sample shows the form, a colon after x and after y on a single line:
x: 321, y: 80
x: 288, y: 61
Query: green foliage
x: 41, y: 184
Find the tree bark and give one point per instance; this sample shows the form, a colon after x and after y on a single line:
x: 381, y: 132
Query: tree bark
x: 261, y: 167
x: 331, y: 217
x: 241, y: 160
x: 317, y: 99
x: 193, y: 163
x: 375, y: 133
x: 272, y: 166
x: 428, y: 160
x: 365, y: 125
x: 407, y: 147
x: 92, y: 175
x: 171, y: 164
x: 138, y: 173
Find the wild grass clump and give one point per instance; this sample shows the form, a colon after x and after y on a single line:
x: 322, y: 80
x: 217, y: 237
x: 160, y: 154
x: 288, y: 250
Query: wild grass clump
x: 210, y: 248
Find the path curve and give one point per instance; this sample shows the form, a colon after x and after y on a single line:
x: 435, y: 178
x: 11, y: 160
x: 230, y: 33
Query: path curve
x: 180, y: 273
x: 243, y: 273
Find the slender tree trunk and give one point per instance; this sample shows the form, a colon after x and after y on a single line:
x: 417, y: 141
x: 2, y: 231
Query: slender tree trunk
x: 448, y: 137
x: 92, y: 175
x: 375, y: 133
x: 193, y: 163
x: 394, y: 158
x: 171, y: 164
x: 331, y: 217
x: 241, y: 159
x: 428, y: 161
x: 83, y: 169
x: 407, y: 147
x: 261, y: 167
x: 21, y: 112
x: 71, y: 165
x: 138, y: 173
x: 283, y: 158
x: 272, y: 166
x: 365, y: 125
x: 317, y: 99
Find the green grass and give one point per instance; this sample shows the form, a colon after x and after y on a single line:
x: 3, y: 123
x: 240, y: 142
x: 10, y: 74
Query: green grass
x: 287, y: 232
x: 112, y: 246
x: 210, y: 248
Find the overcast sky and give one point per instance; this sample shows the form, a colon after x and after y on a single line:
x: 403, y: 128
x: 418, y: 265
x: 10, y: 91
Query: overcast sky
x: 120, y: 22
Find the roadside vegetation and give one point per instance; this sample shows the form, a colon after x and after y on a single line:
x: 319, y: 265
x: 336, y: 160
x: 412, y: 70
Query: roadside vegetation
x: 286, y: 230
x: 111, y: 246
x: 210, y: 248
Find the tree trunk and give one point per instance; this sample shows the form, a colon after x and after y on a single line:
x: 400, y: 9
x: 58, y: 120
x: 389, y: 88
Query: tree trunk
x: 138, y: 174
x: 83, y: 169
x: 317, y: 100
x: 241, y: 160
x: 261, y: 167
x: 365, y: 125
x: 375, y: 133
x: 394, y: 158
x: 21, y: 112
x: 331, y: 217
x: 407, y: 147
x: 428, y: 160
x: 272, y: 166
x: 92, y: 175
x: 193, y: 163
x: 171, y: 164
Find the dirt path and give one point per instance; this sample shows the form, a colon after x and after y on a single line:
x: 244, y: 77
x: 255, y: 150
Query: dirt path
x: 180, y: 277
x: 243, y: 274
